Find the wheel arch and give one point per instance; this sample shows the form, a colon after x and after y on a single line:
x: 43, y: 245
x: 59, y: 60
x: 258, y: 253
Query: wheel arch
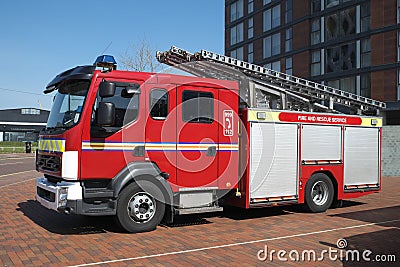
x: 144, y: 171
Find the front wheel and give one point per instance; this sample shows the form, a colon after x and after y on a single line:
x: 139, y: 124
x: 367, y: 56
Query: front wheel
x: 319, y: 193
x: 140, y: 209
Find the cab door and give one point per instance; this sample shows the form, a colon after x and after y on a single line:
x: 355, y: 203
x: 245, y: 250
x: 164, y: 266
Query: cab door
x: 197, y: 136
x: 160, y: 131
x: 107, y: 150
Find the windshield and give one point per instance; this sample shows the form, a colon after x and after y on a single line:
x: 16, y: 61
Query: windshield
x: 68, y: 104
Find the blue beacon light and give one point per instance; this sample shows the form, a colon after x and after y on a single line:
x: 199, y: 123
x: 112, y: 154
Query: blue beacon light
x: 106, y: 62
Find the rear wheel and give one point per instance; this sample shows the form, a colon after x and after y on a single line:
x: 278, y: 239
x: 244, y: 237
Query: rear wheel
x: 319, y: 193
x: 140, y: 209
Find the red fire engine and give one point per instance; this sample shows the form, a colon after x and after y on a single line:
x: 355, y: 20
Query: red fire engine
x: 145, y: 147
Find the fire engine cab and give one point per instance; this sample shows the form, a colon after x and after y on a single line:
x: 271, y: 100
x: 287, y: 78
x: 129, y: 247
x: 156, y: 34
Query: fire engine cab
x: 145, y: 147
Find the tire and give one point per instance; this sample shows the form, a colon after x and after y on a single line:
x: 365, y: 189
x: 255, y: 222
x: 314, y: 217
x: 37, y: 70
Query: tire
x: 140, y: 209
x: 319, y: 193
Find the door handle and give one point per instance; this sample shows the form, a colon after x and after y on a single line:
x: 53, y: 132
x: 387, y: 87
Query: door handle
x: 138, y: 151
x: 211, y: 151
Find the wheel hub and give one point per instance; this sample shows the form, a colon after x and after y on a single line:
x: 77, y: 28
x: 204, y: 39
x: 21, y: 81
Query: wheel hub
x: 141, y: 207
x: 320, y: 193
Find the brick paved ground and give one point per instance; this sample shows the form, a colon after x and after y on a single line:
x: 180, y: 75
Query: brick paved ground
x: 31, y: 235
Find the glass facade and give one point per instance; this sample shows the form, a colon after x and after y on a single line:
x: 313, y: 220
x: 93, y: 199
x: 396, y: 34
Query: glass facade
x: 237, y: 10
x: 338, y: 49
x: 237, y: 53
x: 237, y: 34
x: 272, y: 45
x: 340, y: 58
x: 288, y: 40
x: 250, y: 28
x: 315, y: 31
x: 276, y: 65
x: 288, y: 11
x: 289, y: 65
x: 340, y: 24
x: 250, y: 53
x: 316, y: 63
x: 272, y: 18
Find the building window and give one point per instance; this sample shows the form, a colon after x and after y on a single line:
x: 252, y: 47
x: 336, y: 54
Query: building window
x: 276, y: 66
x: 365, y: 86
x: 197, y: 107
x: 236, y: 10
x: 331, y: 3
x: 237, y: 53
x: 288, y: 11
x: 250, y: 6
x: 250, y: 29
x: 14, y: 136
x: 288, y: 40
x: 365, y: 52
x: 30, y: 111
x: 237, y: 34
x: 398, y: 11
x: 250, y: 53
x: 347, y: 84
x: 398, y: 46
x: 272, y: 18
x: 398, y: 85
x: 315, y: 31
x: 340, y: 58
x: 365, y: 15
x: 316, y: 63
x: 315, y: 6
x: 272, y: 45
x: 340, y: 24
x: 289, y: 66
x: 266, y: 2
x: 159, y: 104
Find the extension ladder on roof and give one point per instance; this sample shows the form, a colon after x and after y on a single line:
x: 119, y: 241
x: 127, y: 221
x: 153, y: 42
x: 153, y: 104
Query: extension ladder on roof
x: 262, y: 87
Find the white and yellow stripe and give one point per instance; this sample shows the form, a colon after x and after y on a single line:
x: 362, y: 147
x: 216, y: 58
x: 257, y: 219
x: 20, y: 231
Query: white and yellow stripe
x: 160, y: 146
x: 109, y: 146
x: 124, y: 146
x: 228, y: 147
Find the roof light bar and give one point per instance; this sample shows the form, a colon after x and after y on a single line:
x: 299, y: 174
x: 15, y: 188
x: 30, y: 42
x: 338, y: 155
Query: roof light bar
x: 106, y: 62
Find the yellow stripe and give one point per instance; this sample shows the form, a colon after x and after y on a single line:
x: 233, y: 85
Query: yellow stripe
x: 270, y: 116
x: 370, y: 121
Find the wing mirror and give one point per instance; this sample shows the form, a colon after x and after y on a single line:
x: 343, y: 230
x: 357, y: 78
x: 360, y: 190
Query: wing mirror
x: 106, y: 114
x: 106, y: 89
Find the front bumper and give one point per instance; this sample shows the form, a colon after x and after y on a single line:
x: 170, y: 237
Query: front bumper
x: 68, y: 197
x: 59, y: 197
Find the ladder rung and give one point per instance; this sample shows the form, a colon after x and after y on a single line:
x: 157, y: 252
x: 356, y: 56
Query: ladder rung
x: 294, y: 84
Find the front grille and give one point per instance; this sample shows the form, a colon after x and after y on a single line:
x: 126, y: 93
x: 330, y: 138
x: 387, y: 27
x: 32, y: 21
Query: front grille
x: 48, y: 163
x: 49, y: 196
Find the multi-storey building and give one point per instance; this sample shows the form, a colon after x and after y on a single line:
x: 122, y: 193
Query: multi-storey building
x: 353, y: 45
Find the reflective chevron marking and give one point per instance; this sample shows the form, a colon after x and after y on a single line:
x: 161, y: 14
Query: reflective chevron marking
x: 51, y: 145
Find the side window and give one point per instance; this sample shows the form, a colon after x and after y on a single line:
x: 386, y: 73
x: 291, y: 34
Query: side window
x: 197, y: 107
x: 159, y: 104
x: 126, y: 106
